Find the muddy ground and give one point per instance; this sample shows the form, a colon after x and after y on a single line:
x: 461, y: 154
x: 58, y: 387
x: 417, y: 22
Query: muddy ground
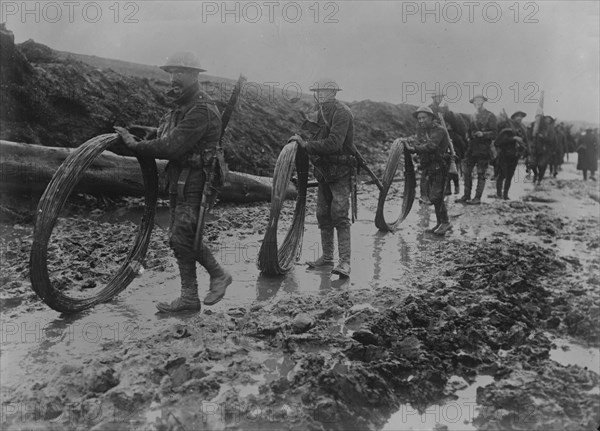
x: 494, y: 327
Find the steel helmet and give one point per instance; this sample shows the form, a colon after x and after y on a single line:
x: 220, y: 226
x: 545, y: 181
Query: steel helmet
x: 182, y: 59
x: 426, y: 109
x: 518, y: 114
x: 325, y: 84
x: 478, y: 96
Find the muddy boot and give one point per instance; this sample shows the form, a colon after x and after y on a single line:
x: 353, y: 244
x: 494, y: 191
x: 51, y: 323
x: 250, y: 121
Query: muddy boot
x: 443, y: 229
x: 326, y: 259
x: 219, y: 277
x: 433, y: 229
x: 343, y: 267
x: 478, y: 192
x: 188, y: 301
x: 466, y: 198
x: 506, y: 188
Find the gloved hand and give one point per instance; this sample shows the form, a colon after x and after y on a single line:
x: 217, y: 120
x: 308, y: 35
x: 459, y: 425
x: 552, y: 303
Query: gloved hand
x: 128, y: 139
x: 298, y: 139
x: 142, y: 132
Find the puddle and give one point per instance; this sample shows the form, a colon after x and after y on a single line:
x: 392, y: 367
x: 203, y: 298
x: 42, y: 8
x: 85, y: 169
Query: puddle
x: 31, y: 340
x: 452, y: 415
x: 568, y: 353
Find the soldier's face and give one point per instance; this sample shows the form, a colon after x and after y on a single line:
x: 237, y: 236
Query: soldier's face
x: 437, y: 99
x: 518, y: 119
x: 478, y: 102
x: 183, y: 78
x: 425, y: 120
x: 322, y: 96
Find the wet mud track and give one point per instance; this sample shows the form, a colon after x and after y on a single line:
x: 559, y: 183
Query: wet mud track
x: 494, y: 327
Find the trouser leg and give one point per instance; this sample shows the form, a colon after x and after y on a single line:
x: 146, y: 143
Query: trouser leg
x: 482, y: 166
x: 510, y: 171
x: 340, y: 208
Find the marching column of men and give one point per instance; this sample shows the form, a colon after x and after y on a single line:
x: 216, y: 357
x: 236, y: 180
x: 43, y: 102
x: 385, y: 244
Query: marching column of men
x: 189, y: 137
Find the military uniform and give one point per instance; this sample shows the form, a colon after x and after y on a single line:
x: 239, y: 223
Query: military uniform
x: 457, y: 129
x: 543, y: 146
x: 432, y: 147
x: 509, y: 151
x: 188, y: 136
x: 331, y: 154
x: 479, y: 151
x: 587, y: 154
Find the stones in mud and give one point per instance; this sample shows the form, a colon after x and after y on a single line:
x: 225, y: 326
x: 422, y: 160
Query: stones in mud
x: 180, y: 331
x: 178, y: 370
x: 365, y: 336
x: 302, y: 323
x: 102, y: 379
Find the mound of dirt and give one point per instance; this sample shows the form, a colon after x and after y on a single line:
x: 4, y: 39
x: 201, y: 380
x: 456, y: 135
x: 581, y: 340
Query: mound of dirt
x: 54, y: 98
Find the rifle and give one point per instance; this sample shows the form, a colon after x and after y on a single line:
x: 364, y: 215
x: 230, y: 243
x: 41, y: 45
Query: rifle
x: 362, y: 163
x: 209, y: 192
x: 539, y: 113
x: 452, y: 169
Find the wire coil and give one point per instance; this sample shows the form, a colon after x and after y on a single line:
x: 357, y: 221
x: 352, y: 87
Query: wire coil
x: 49, y: 207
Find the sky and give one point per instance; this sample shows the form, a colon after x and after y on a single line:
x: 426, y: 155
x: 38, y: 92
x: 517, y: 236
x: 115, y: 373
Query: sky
x: 394, y: 51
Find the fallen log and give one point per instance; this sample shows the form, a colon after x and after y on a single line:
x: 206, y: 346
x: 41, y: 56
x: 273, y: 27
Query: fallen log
x: 27, y: 169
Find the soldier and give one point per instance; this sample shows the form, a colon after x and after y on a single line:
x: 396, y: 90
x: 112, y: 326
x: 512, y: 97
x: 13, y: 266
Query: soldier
x: 481, y: 133
x: 543, y: 147
x: 188, y: 136
x: 331, y: 153
x: 457, y: 129
x: 511, y: 143
x: 587, y: 154
x: 432, y: 146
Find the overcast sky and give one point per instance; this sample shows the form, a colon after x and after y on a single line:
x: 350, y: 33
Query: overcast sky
x: 378, y: 50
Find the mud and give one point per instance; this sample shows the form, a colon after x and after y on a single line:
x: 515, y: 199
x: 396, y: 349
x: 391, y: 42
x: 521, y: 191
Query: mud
x: 494, y: 327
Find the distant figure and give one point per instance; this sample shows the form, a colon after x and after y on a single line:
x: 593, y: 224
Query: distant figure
x: 542, y: 148
x: 556, y: 149
x: 481, y: 133
x: 587, y: 154
x: 432, y: 147
x: 511, y: 143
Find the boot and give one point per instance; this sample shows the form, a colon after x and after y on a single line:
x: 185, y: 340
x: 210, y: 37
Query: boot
x: 465, y: 199
x: 506, y: 188
x: 433, y: 229
x: 444, y: 227
x: 219, y: 277
x: 343, y: 267
x: 188, y: 301
x: 326, y: 259
x: 499, y: 189
x: 479, y: 191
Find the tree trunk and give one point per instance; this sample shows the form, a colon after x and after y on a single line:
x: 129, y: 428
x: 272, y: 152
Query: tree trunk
x: 27, y: 169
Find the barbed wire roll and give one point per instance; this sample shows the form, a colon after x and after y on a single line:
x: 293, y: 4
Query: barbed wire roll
x: 49, y: 207
x: 271, y: 259
x: 399, y: 158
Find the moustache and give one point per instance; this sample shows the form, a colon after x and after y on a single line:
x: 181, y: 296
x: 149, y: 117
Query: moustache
x: 175, y: 89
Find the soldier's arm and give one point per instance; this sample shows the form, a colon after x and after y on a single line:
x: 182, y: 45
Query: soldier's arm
x: 335, y: 141
x: 181, y: 139
x: 490, y: 127
x: 434, y: 143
